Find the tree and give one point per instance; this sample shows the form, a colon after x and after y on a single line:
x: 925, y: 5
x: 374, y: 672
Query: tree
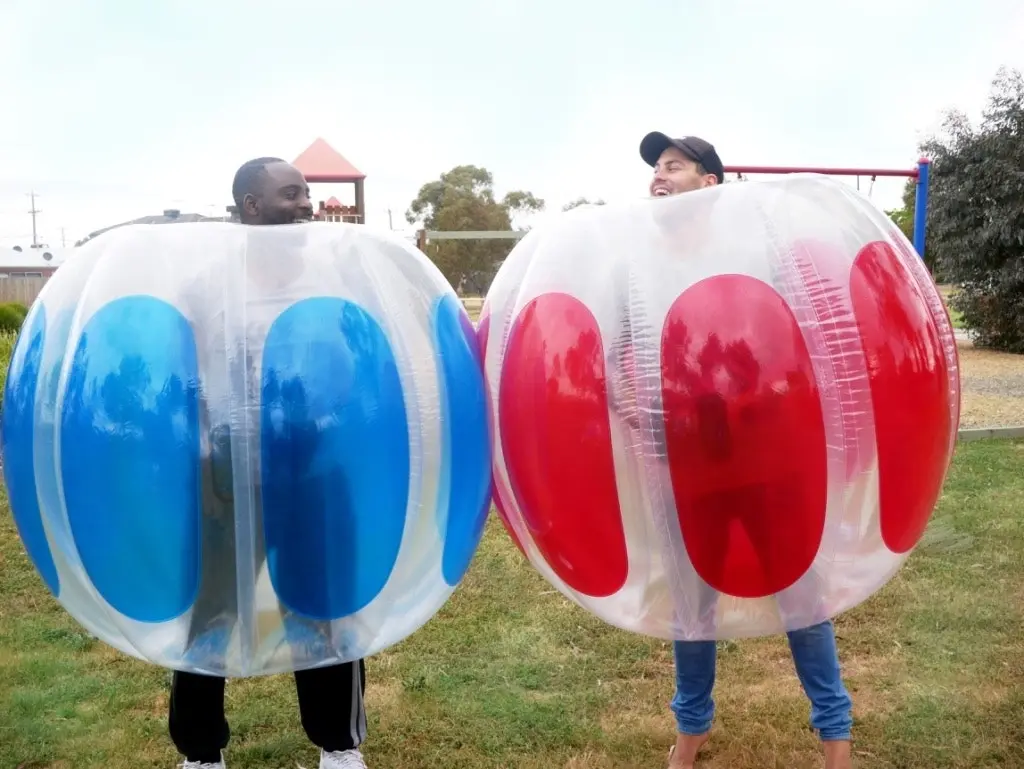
x: 582, y: 202
x: 463, y: 199
x: 976, y: 213
x: 903, y: 218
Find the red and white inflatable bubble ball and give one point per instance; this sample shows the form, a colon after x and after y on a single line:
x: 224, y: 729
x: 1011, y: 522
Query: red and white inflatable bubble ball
x: 723, y: 414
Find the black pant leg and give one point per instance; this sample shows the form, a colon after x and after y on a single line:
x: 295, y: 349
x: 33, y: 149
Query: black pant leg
x: 197, y: 723
x: 331, y: 705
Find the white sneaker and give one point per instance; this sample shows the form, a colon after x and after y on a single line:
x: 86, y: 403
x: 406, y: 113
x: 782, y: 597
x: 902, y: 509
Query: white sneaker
x: 342, y: 759
x: 202, y: 765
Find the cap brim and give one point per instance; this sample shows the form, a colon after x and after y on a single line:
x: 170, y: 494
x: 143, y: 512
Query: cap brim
x: 653, y: 145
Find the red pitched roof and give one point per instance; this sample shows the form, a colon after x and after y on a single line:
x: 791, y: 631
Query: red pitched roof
x: 320, y: 162
x: 333, y: 202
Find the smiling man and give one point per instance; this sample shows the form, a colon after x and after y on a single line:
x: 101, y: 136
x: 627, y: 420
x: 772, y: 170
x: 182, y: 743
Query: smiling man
x: 271, y: 191
x: 686, y: 165
x: 680, y: 165
x: 267, y: 191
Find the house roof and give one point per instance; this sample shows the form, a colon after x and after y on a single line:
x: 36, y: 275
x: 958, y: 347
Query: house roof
x: 320, y: 162
x: 33, y: 258
x: 168, y: 217
x: 333, y: 202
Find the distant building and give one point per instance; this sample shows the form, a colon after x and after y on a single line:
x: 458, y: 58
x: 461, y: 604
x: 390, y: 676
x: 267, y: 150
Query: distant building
x: 169, y: 216
x: 21, y: 262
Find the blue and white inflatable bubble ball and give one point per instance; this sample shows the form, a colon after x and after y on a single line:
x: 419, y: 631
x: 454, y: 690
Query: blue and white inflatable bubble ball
x: 247, y: 450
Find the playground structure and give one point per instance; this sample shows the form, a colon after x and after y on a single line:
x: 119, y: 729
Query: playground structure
x: 320, y: 163
x: 920, y: 174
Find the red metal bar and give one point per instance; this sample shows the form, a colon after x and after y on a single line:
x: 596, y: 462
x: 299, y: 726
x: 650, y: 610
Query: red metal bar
x: 911, y: 173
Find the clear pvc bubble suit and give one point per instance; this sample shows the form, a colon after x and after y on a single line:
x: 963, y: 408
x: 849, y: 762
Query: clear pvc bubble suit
x: 245, y: 450
x: 722, y: 414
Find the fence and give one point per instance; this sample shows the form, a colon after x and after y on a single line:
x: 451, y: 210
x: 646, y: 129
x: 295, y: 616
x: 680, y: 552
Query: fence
x: 21, y: 290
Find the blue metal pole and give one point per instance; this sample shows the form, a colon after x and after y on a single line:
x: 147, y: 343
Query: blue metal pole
x: 921, y: 205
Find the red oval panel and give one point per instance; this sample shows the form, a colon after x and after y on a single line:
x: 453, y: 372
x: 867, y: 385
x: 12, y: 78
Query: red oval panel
x: 745, y: 436
x: 909, y: 391
x: 943, y: 323
x: 555, y: 432
x: 497, y: 487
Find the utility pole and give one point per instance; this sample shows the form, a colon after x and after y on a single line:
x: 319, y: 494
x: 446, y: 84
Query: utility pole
x: 34, y: 211
x: 63, y: 240
x: 390, y: 225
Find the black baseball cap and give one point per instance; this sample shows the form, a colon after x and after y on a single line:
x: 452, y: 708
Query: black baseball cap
x: 696, y: 149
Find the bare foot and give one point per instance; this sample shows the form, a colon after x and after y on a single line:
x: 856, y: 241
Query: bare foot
x: 837, y: 754
x: 684, y: 753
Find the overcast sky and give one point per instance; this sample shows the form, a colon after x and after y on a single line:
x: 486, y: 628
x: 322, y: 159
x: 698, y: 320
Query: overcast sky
x: 113, y: 109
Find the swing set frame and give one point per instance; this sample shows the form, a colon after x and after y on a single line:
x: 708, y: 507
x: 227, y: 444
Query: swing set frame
x: 919, y: 174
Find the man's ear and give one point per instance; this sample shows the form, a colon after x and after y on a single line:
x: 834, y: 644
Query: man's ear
x: 250, y: 205
x: 710, y: 180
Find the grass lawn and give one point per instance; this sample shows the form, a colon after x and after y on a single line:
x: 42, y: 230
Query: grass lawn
x: 511, y: 675
x: 955, y: 316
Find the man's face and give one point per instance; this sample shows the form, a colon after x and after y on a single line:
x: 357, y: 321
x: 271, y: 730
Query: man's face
x: 675, y: 173
x: 283, y: 197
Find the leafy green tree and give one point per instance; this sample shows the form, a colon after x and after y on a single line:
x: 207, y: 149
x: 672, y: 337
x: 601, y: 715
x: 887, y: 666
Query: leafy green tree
x: 976, y: 213
x: 903, y: 217
x: 582, y: 202
x: 462, y: 199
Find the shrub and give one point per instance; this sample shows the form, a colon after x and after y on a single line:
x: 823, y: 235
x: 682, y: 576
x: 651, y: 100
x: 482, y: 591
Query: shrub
x: 7, y: 339
x: 10, y: 318
x: 976, y: 217
x: 19, y: 308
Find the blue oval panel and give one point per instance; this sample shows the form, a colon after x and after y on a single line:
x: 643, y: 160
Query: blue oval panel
x: 466, y: 468
x: 18, y: 427
x: 335, y: 458
x: 130, y: 457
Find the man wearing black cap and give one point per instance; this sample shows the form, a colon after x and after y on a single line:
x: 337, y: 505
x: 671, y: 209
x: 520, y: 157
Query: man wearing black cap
x: 680, y: 165
x: 685, y: 165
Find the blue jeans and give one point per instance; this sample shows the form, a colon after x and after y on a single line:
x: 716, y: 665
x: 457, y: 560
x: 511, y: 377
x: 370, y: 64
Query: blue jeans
x: 817, y: 666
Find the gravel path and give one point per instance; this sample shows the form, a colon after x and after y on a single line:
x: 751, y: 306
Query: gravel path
x: 992, y: 387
